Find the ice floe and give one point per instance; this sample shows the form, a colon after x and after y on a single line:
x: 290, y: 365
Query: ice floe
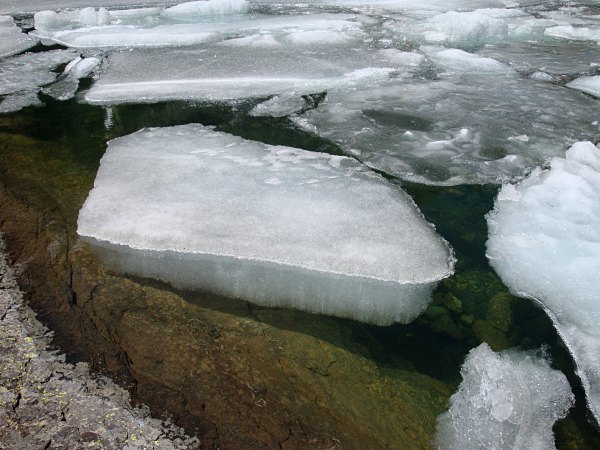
x: 12, y: 40
x: 544, y: 241
x: 22, y: 76
x: 589, y: 85
x: 273, y: 225
x: 507, y: 400
x: 220, y: 73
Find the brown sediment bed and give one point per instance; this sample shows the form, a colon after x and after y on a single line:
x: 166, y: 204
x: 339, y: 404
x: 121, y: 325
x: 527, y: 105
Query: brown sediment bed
x: 235, y: 376
x: 48, y: 403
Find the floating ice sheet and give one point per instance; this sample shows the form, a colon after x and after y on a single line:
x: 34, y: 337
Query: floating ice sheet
x: 469, y: 128
x: 273, y: 225
x: 22, y: 76
x: 544, y: 241
x: 219, y: 73
x: 12, y: 40
x: 154, y: 27
x: 507, y: 400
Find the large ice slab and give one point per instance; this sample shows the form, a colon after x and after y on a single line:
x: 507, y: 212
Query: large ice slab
x: 544, y: 241
x: 507, y: 400
x: 224, y: 72
x: 468, y: 128
x: 190, y: 24
x: 12, y: 40
x: 22, y: 76
x: 273, y: 225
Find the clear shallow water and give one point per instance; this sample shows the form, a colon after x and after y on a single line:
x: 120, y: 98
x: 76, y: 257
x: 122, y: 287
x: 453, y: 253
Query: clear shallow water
x: 470, y: 307
x: 435, y: 344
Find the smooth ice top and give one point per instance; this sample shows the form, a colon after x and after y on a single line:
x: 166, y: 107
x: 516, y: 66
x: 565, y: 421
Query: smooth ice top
x: 190, y: 11
x: 193, y: 190
x: 507, y: 400
x: 544, y: 241
x: 219, y: 72
x: 589, y: 85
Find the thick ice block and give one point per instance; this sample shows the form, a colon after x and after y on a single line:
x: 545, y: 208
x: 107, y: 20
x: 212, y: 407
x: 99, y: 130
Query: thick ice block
x: 273, y: 225
x: 507, y: 400
x: 544, y: 241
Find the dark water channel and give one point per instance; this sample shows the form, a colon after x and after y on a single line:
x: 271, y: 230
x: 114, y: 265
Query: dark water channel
x: 471, y: 307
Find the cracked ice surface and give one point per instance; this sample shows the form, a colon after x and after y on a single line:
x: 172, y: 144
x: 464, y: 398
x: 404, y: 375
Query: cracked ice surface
x: 544, y: 241
x: 467, y: 127
x: 507, y: 400
x: 12, y: 40
x: 273, y: 225
x: 22, y: 76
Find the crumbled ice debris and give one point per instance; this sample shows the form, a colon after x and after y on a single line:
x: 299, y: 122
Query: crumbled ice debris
x: 220, y: 73
x: 66, y: 85
x: 12, y: 40
x: 375, y: 120
x: 191, y: 11
x: 589, y: 85
x: 83, y: 18
x: 545, y: 244
x: 507, y: 400
x: 273, y: 225
x: 22, y: 76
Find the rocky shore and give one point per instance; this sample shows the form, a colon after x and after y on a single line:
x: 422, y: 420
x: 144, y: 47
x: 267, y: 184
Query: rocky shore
x: 48, y: 403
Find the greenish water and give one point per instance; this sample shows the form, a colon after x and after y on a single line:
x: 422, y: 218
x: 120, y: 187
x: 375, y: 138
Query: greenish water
x: 471, y: 307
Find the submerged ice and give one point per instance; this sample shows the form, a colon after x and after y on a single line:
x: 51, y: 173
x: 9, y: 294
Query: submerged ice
x: 273, y: 225
x: 507, y: 400
x: 544, y: 241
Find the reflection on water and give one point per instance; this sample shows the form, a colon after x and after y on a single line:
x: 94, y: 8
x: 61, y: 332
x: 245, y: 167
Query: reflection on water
x: 50, y: 155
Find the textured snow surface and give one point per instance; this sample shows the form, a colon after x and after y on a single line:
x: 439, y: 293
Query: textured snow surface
x: 12, y: 40
x: 544, y: 241
x: 274, y: 225
x: 22, y: 76
x: 507, y: 400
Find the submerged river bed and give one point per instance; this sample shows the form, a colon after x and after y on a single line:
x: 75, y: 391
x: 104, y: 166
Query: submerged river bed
x: 411, y: 97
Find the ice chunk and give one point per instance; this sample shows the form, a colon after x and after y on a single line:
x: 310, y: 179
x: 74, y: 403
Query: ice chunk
x: 447, y: 132
x: 220, y: 73
x: 65, y: 87
x: 279, y: 106
x: 545, y: 244
x: 86, y: 17
x: 507, y: 400
x: 589, y: 85
x: 460, y: 61
x: 574, y: 33
x: 273, y: 225
x: 472, y: 28
x: 12, y: 40
x: 190, y: 11
x: 22, y: 76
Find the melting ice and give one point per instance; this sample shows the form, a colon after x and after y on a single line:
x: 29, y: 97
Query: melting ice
x: 507, y: 400
x: 273, y: 225
x: 544, y: 241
